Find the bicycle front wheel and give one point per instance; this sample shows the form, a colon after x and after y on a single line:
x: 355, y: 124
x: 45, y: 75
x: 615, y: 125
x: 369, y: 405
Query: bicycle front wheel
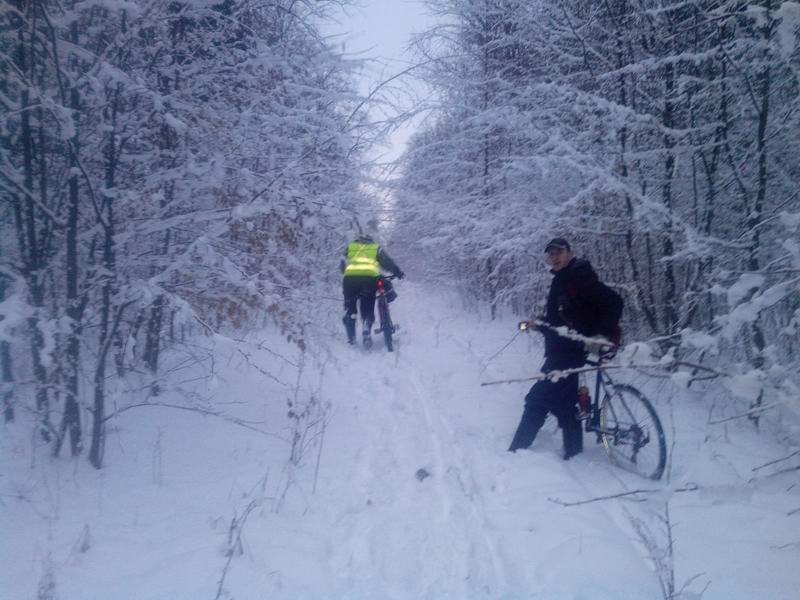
x: 631, y: 432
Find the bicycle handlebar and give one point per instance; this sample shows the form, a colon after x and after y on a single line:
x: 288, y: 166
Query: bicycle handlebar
x: 605, y: 348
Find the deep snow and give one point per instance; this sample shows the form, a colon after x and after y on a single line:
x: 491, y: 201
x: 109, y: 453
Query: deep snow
x: 359, y: 519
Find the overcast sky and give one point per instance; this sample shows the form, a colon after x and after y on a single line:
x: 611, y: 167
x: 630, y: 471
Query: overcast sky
x: 380, y: 30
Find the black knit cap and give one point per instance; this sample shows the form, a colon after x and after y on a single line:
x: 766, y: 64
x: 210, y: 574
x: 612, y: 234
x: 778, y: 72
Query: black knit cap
x: 557, y: 243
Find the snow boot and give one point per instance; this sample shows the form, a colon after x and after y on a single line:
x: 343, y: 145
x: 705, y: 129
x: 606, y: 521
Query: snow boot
x: 349, y: 321
x: 573, y: 439
x: 367, y: 335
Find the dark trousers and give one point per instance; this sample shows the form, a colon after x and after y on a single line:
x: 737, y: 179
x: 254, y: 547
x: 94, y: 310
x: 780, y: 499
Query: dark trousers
x: 558, y: 397
x: 359, y: 294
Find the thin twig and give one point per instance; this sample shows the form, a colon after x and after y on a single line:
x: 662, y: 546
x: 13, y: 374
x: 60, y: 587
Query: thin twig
x: 777, y: 460
x: 319, y: 456
x: 238, y: 527
x: 207, y: 327
x: 496, y: 354
x: 201, y: 411
x: 600, y: 498
x: 782, y: 471
x: 264, y: 372
x: 749, y: 413
x: 556, y: 375
x: 691, y: 487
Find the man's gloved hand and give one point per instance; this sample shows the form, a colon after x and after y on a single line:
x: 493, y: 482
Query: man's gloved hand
x: 535, y: 324
x: 532, y: 325
x: 601, y: 346
x: 400, y: 275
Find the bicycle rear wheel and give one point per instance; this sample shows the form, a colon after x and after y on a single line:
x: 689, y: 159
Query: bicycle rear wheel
x: 386, y: 325
x: 631, y: 432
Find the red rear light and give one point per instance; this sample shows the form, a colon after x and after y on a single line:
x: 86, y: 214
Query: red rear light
x: 380, y: 284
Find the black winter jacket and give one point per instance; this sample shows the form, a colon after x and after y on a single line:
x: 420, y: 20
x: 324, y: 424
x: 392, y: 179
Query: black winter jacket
x: 580, y: 301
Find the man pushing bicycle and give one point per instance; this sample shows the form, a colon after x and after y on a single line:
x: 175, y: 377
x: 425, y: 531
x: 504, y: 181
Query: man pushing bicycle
x: 580, y: 301
x: 361, y: 267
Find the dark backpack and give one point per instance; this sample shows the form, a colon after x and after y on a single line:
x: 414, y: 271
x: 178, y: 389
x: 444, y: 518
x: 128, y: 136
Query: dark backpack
x: 615, y: 304
x: 598, y: 313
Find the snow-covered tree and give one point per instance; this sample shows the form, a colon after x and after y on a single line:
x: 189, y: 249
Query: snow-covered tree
x: 655, y: 135
x: 166, y: 164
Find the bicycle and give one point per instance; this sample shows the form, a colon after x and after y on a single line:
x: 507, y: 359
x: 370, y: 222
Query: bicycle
x: 622, y: 418
x: 383, y: 296
x: 625, y: 422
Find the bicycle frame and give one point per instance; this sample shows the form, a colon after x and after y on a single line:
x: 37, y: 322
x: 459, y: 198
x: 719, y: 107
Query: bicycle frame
x: 382, y: 304
x: 627, y: 425
x: 385, y: 319
x: 593, y: 420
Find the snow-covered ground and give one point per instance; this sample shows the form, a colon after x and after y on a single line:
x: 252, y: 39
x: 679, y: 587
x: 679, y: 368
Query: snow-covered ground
x: 407, y: 492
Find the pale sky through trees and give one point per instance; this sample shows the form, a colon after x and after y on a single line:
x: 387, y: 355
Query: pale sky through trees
x: 381, y: 31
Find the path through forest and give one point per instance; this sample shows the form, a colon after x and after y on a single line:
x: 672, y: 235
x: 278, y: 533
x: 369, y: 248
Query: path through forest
x: 437, y: 508
x: 411, y: 495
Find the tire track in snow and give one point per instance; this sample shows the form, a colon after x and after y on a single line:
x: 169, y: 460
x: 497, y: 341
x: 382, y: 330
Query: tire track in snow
x: 393, y: 513
x: 353, y: 556
x: 431, y: 381
x: 454, y: 463
x: 389, y: 516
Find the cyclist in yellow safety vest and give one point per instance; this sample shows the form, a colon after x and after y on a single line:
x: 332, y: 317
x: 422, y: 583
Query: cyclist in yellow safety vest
x: 361, y: 267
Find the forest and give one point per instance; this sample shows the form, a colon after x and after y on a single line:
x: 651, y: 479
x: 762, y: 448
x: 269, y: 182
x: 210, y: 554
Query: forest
x: 658, y: 135
x: 170, y: 167
x: 179, y: 176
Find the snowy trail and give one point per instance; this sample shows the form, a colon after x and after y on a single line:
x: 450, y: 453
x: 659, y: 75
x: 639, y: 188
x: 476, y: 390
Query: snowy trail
x: 420, y: 492
x: 467, y: 526
x: 406, y: 512
x: 477, y: 523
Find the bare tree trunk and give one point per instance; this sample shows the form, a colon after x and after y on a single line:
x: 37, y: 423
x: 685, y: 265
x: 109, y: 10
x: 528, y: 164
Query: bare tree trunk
x: 109, y: 285
x: 71, y: 423
x: 617, y: 13
x: 98, y: 413
x: 711, y: 171
x: 6, y: 365
x: 695, y: 268
x: 668, y: 245
x: 27, y: 235
x: 152, y: 345
x: 8, y: 382
x: 755, y: 215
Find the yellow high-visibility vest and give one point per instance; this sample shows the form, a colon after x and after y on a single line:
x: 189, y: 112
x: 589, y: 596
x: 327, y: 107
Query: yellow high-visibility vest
x: 362, y: 259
